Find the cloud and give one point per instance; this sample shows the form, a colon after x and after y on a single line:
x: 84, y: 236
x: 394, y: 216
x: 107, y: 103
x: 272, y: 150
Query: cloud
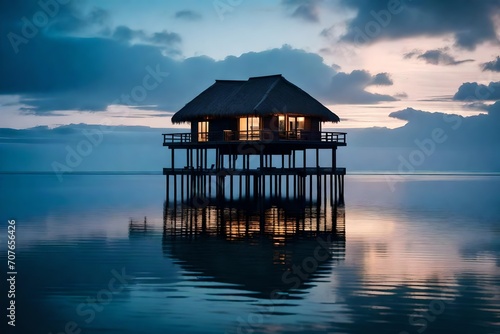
x: 473, y: 131
x: 471, y: 91
x: 465, y: 144
x: 476, y: 105
x: 55, y: 68
x: 436, y: 57
x: 429, y: 141
x: 81, y: 73
x: 325, y: 51
x: 494, y: 110
x: 165, y: 38
x: 413, y: 53
x: 99, y: 16
x: 125, y: 34
x: 350, y: 87
x: 53, y: 73
x: 410, y: 114
x: 470, y: 22
x: 382, y: 79
x: 188, y: 15
x: 307, y: 10
x: 171, y: 40
x: 73, y: 19
x: 493, y: 65
x: 328, y: 33
x: 121, y: 148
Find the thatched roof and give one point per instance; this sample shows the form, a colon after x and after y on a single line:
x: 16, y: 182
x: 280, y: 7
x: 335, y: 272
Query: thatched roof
x: 257, y: 96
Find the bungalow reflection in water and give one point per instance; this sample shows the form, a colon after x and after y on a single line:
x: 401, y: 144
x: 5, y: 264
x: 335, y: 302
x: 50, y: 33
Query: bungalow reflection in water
x: 276, y: 249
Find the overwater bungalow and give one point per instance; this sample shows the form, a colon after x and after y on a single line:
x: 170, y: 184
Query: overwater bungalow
x: 239, y: 120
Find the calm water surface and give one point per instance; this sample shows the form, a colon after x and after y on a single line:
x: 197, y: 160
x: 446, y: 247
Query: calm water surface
x: 102, y: 254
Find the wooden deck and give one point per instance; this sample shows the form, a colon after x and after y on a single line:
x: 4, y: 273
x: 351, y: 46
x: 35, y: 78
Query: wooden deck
x: 255, y: 172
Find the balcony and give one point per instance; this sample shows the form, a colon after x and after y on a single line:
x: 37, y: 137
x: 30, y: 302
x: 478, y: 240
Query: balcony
x: 266, y: 136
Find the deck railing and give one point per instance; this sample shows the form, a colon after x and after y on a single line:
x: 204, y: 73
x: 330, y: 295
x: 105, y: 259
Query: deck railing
x: 176, y: 137
x: 256, y: 135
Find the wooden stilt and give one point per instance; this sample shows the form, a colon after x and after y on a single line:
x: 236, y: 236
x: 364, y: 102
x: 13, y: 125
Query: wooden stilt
x: 167, y: 201
x: 301, y: 180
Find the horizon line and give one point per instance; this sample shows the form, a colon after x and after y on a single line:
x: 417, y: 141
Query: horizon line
x: 160, y: 172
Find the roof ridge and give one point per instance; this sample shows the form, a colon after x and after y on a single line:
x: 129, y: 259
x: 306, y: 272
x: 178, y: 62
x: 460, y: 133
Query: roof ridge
x: 229, y: 80
x: 268, y: 91
x: 265, y: 76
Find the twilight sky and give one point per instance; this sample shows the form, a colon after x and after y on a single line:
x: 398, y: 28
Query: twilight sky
x: 130, y: 62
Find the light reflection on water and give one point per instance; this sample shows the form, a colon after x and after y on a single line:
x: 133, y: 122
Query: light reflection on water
x: 419, y: 256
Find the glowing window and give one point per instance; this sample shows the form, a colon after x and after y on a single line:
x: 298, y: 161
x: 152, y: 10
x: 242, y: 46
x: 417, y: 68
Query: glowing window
x: 281, y: 124
x: 203, y: 131
x: 249, y: 128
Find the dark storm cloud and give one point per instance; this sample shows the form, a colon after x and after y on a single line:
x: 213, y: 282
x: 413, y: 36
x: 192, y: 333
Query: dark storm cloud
x: 470, y: 21
x: 307, y: 10
x: 92, y: 73
x: 493, y: 65
x: 81, y: 73
x: 436, y: 57
x: 188, y: 15
x: 471, y: 91
x: 52, y: 69
x: 129, y: 67
x: 350, y: 87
